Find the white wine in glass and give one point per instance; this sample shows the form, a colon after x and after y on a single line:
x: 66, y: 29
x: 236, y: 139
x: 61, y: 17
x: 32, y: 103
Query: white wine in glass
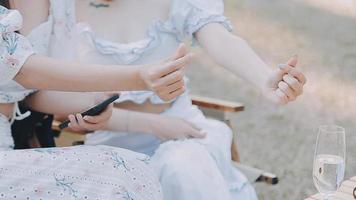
x: 329, y: 160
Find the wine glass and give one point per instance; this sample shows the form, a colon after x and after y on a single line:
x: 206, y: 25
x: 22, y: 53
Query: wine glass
x: 329, y: 159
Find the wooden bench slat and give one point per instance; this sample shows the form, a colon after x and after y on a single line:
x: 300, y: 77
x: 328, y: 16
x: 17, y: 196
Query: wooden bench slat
x: 217, y: 104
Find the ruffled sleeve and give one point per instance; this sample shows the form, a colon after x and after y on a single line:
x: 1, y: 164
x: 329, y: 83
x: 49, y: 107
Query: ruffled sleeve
x: 188, y: 16
x: 14, y: 48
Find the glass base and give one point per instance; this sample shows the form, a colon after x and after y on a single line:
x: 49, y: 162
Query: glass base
x: 327, y: 196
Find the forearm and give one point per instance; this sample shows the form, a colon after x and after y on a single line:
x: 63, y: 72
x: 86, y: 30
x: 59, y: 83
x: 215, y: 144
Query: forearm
x: 51, y: 74
x: 130, y: 121
x: 62, y: 103
x: 234, y: 54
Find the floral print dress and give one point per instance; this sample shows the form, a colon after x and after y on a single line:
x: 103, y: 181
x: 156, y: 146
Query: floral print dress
x: 73, y: 173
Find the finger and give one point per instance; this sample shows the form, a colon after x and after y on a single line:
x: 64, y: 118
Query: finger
x: 173, y: 66
x: 72, y: 119
x: 73, y: 124
x: 176, y: 93
x: 284, y: 68
x: 298, y: 75
x: 195, y: 131
x: 173, y: 87
x: 86, y: 126
x: 172, y: 95
x: 197, y: 134
x: 293, y: 72
x: 286, y: 90
x: 168, y: 80
x: 293, y: 61
x: 184, y: 61
x: 180, y: 52
x: 293, y: 83
x: 103, y: 117
x: 281, y: 97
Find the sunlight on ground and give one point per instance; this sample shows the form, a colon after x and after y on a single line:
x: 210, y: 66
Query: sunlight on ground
x: 340, y: 7
x: 334, y: 96
x: 282, y: 140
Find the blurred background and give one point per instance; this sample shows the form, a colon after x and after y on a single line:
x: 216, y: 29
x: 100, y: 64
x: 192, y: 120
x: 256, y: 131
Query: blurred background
x: 282, y: 139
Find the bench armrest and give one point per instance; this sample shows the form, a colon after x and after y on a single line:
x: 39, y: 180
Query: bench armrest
x: 217, y: 104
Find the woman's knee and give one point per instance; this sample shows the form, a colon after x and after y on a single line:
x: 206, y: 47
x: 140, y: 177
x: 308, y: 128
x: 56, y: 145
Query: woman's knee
x: 182, y: 157
x: 220, y: 130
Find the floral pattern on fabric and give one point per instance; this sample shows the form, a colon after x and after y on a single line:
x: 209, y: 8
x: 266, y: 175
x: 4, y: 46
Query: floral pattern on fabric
x: 66, y: 186
x: 14, y: 51
x: 73, y: 173
x: 14, y: 48
x: 6, y: 141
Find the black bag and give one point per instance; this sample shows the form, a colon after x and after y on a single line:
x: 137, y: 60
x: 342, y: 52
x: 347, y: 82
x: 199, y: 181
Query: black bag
x: 37, y: 124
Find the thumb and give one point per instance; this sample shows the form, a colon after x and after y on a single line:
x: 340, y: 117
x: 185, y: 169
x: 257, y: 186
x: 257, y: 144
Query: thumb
x: 196, y: 132
x: 180, y: 52
x: 293, y: 61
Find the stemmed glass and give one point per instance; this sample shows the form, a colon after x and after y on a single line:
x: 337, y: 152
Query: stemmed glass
x: 329, y: 159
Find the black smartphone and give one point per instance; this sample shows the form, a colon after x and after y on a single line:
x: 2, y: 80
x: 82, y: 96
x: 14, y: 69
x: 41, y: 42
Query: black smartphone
x: 96, y: 110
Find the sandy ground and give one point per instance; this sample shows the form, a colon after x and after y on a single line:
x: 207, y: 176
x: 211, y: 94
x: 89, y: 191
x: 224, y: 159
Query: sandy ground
x: 282, y: 139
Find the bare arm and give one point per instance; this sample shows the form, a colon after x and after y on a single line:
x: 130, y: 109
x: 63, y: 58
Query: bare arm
x: 34, y: 13
x: 63, y: 104
x: 38, y: 72
x: 163, y: 127
x: 233, y: 53
x: 44, y: 73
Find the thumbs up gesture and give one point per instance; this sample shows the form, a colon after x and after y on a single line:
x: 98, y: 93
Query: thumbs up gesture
x: 166, y: 79
x: 286, y: 83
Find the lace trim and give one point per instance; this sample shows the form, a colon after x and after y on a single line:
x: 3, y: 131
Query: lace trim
x: 124, y: 53
x: 198, y: 18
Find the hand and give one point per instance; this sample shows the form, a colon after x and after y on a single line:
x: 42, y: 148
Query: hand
x: 166, y: 78
x: 170, y: 128
x: 285, y: 84
x: 90, y: 123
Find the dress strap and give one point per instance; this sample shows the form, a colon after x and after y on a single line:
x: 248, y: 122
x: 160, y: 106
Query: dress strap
x: 17, y: 115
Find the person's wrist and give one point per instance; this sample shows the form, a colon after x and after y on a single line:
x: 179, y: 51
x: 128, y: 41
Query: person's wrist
x: 150, y: 124
x: 139, y: 77
x: 265, y: 79
x: 139, y: 122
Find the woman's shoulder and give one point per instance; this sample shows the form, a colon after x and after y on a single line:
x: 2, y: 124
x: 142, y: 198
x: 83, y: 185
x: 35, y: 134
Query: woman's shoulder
x: 14, y: 48
x: 189, y: 16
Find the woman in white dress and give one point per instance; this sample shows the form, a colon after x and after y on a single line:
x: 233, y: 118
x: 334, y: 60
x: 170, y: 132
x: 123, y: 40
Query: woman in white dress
x: 142, y: 32
x: 88, y: 172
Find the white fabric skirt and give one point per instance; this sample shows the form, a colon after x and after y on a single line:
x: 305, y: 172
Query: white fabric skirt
x: 191, y: 169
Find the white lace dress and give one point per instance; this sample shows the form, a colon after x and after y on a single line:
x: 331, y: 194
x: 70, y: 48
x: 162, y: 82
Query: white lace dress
x: 194, y: 169
x: 73, y: 173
